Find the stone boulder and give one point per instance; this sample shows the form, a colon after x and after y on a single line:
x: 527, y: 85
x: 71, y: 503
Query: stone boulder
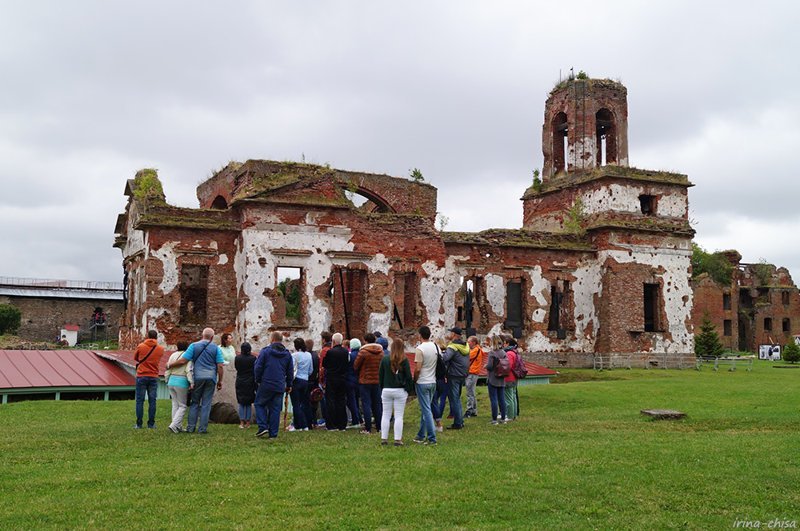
x: 224, y: 413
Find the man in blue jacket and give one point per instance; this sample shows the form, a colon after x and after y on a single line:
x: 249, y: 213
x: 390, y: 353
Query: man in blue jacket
x: 274, y: 372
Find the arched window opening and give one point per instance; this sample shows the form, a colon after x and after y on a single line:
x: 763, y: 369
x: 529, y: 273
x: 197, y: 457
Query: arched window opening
x: 219, y: 203
x: 560, y: 143
x: 606, y: 138
x: 367, y: 201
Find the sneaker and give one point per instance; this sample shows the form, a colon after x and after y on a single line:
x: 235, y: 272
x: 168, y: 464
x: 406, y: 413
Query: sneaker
x: 151, y: 427
x: 262, y: 433
x: 495, y: 422
x: 305, y: 429
x: 440, y: 429
x: 454, y: 427
x: 431, y: 443
x: 137, y: 427
x: 418, y: 441
x: 384, y: 442
x: 174, y: 429
x: 364, y: 432
x: 399, y: 443
x: 321, y: 422
x: 290, y: 428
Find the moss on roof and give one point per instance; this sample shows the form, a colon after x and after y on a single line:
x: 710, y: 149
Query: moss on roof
x: 520, y: 238
x: 187, y: 218
x: 576, y: 178
x: 147, y: 188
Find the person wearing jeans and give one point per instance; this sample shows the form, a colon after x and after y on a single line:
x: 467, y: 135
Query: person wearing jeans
x: 208, y: 372
x: 456, y: 358
x: 149, y: 385
x: 496, y: 384
x: 202, y: 394
x: 394, y: 378
x: 147, y: 356
x: 475, y: 366
x: 274, y: 373
x: 425, y: 357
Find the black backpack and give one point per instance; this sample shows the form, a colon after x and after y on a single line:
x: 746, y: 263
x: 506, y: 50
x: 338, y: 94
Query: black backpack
x: 441, y: 368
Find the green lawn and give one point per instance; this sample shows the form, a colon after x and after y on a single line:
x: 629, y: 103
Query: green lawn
x: 581, y: 456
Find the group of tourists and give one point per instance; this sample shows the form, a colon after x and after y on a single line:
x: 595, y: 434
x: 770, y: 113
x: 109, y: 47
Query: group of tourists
x: 345, y: 384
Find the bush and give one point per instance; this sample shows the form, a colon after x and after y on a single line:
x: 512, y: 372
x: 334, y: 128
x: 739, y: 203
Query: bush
x: 715, y: 264
x: 707, y: 342
x: 10, y: 319
x: 791, y: 352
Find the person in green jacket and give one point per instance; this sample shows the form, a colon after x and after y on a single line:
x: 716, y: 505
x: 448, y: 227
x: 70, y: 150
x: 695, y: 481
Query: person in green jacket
x: 394, y: 378
x: 456, y: 358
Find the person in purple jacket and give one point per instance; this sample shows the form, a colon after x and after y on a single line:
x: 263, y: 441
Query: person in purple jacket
x: 274, y: 372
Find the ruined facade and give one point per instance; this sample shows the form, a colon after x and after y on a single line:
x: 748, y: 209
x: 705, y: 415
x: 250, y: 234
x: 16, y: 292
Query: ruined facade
x: 759, y: 306
x: 600, y: 266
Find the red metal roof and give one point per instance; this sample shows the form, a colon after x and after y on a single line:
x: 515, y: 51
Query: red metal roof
x: 20, y: 369
x: 72, y: 327
x: 533, y: 369
x: 126, y: 358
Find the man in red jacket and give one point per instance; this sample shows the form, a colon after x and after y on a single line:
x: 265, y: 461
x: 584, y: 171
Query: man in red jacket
x: 147, y: 356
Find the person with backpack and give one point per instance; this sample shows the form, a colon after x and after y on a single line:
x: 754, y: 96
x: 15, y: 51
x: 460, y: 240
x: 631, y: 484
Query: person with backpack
x: 497, y: 368
x: 208, y: 373
x: 510, y: 348
x: 147, y: 356
x: 274, y: 373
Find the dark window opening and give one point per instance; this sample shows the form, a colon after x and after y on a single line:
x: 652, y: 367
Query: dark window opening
x: 745, y: 299
x: 289, y: 307
x: 405, y: 301
x: 560, y: 143
x: 606, y: 138
x: 767, y: 324
x: 726, y: 301
x: 785, y: 298
x: 651, y: 307
x: 763, y: 295
x: 787, y: 324
x: 559, y: 317
x: 727, y: 326
x: 194, y: 293
x: 648, y: 204
x: 219, y: 203
x: 514, y: 310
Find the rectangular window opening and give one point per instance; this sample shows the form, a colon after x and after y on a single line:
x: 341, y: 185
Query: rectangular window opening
x: 726, y: 301
x: 194, y: 294
x: 787, y: 324
x: 785, y: 298
x: 767, y: 324
x: 651, y: 307
x: 728, y: 327
x: 289, y: 307
x: 648, y: 204
x: 349, y: 301
x: 404, y: 312
x: 514, y: 309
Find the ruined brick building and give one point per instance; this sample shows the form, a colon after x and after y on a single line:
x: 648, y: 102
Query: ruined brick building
x: 600, y: 266
x: 758, y: 305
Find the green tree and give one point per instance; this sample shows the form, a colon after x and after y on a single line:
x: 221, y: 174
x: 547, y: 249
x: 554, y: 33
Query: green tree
x: 10, y: 319
x: 416, y: 175
x: 537, y: 181
x: 707, y: 342
x: 791, y: 352
x: 715, y: 264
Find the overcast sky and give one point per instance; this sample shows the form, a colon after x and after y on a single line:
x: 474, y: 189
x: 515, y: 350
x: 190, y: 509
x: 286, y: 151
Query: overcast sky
x: 90, y: 92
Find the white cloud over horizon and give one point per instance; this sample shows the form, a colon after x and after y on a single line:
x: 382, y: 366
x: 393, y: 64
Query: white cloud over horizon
x: 93, y: 91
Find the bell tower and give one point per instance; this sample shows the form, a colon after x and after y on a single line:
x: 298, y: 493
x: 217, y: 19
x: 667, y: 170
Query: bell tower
x: 585, y: 126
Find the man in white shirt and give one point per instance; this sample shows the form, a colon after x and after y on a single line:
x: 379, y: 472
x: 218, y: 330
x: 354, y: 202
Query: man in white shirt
x: 425, y: 377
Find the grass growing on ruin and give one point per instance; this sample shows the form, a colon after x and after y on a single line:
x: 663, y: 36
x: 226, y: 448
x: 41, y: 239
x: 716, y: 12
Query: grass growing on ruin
x: 580, y: 456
